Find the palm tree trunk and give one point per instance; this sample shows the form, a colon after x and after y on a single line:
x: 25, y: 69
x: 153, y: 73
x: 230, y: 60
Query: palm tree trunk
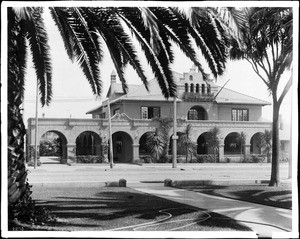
x: 274, y: 181
x: 18, y: 187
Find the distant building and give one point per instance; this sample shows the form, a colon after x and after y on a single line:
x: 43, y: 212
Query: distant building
x: 200, y: 103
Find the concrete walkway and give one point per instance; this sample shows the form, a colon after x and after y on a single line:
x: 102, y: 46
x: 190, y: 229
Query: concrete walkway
x: 264, y: 220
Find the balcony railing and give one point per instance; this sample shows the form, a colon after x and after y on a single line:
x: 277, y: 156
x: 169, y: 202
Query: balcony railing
x: 198, y: 97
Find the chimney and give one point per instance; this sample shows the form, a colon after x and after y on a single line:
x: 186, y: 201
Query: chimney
x: 113, y: 77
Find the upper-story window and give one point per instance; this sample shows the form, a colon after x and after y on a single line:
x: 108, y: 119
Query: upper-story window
x: 150, y: 112
x: 191, y: 77
x: 192, y: 87
x: 96, y: 116
x: 203, y: 89
x: 186, y: 86
x: 197, y: 88
x: 102, y: 116
x: 208, y: 89
x: 240, y: 115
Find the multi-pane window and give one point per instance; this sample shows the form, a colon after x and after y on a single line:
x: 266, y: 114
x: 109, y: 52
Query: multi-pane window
x: 193, y: 114
x: 240, y: 115
x: 102, y: 116
x: 150, y: 112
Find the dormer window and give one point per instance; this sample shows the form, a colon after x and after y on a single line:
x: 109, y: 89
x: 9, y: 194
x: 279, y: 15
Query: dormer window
x: 191, y: 77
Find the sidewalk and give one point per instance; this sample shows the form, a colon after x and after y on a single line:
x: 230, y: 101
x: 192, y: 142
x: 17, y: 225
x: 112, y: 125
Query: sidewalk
x: 264, y: 220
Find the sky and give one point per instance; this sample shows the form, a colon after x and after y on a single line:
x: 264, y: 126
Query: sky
x: 72, y: 96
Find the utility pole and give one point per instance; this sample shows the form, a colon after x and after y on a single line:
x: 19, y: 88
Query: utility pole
x: 174, y: 158
x: 111, y: 158
x: 36, y: 125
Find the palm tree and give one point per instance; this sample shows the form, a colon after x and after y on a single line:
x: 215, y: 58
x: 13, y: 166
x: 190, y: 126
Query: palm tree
x: 83, y: 31
x: 185, y: 142
x: 158, y: 140
x: 265, y: 141
x: 268, y: 48
x: 213, y: 141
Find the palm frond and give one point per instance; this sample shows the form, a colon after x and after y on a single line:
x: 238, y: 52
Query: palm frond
x: 37, y: 37
x: 78, y: 37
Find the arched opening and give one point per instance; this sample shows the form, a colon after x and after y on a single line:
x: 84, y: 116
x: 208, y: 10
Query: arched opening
x: 197, y: 88
x: 208, y: 89
x: 53, y: 144
x: 122, y: 147
x: 186, y: 87
x: 203, y: 88
x: 142, y: 148
x: 197, y: 113
x: 192, y: 88
x: 191, y: 77
x: 202, y: 144
x: 88, y: 143
x: 255, y: 143
x: 232, y: 144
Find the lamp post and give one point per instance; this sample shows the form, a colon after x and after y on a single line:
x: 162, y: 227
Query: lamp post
x: 111, y: 158
x: 174, y: 137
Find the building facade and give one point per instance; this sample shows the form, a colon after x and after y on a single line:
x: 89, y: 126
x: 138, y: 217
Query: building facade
x: 202, y: 104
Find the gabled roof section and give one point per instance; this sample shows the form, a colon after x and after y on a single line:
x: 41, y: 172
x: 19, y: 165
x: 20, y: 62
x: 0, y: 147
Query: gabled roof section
x: 227, y: 96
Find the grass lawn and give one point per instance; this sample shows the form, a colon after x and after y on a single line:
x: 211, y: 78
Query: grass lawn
x: 104, y: 208
x: 280, y: 196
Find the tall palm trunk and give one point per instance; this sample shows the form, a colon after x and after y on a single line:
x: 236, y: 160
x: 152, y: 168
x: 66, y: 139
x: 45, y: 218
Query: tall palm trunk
x: 275, y: 145
x: 18, y: 188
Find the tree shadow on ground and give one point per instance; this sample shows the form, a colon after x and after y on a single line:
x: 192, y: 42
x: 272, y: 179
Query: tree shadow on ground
x: 265, y: 195
x: 113, y: 208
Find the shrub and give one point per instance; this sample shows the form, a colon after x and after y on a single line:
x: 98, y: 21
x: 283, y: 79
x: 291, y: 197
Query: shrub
x: 90, y: 159
x: 255, y: 158
x: 205, y: 158
x: 228, y: 160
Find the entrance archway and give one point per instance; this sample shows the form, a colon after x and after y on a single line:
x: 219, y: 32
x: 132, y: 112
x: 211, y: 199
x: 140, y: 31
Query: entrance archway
x: 255, y: 147
x: 202, y: 147
x: 142, y: 142
x: 122, y: 147
x: 197, y: 113
x: 53, y: 143
x: 232, y: 144
x: 88, y: 143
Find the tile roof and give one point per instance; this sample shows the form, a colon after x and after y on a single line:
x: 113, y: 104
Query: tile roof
x: 227, y: 96
x: 139, y: 92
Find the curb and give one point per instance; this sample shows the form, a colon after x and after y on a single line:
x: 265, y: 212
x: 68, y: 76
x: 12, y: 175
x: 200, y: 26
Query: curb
x: 176, y: 183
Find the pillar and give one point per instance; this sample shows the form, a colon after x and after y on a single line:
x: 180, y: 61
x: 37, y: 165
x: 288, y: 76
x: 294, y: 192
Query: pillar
x: 221, y: 153
x: 71, y: 152
x: 246, y: 151
x: 136, y: 154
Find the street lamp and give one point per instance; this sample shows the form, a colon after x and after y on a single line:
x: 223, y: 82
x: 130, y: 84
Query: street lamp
x: 174, y: 137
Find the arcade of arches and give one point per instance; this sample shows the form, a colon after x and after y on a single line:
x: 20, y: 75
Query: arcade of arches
x: 124, y: 149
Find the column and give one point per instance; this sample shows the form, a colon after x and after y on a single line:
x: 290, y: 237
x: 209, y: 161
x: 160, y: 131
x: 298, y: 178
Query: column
x: 136, y: 154
x: 71, y: 152
x: 246, y: 151
x: 221, y: 153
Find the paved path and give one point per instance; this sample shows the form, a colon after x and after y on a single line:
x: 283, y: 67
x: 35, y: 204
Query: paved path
x: 264, y: 220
